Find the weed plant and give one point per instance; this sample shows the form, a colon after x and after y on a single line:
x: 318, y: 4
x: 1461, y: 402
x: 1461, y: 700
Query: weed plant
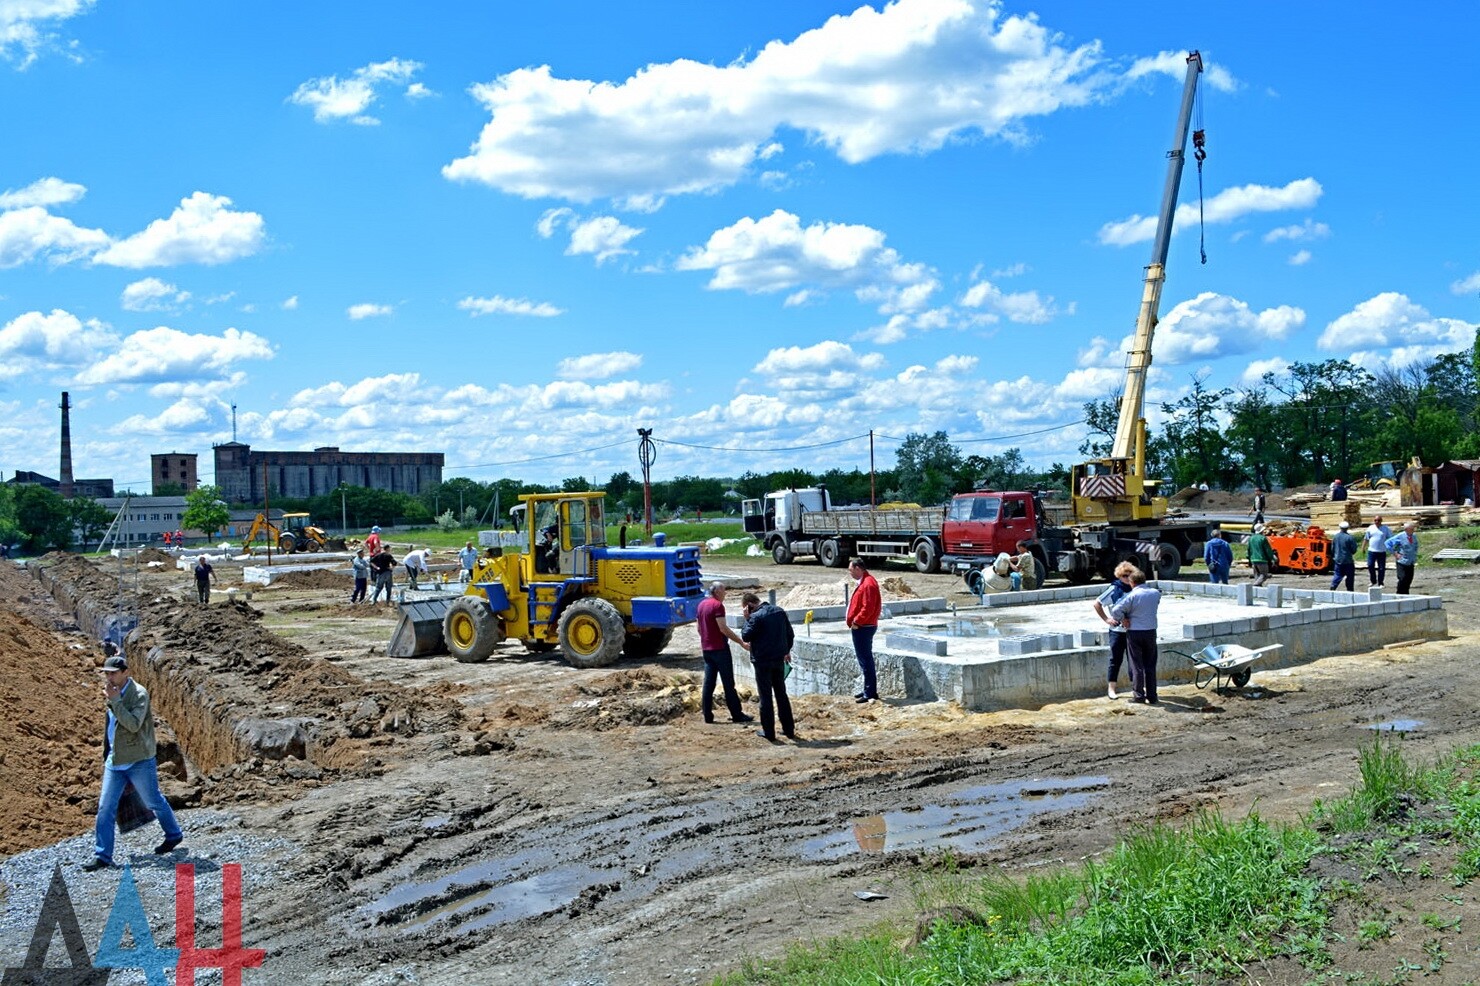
x: 1199, y: 903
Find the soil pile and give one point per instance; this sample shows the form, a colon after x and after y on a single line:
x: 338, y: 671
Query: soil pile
x: 837, y: 593
x: 316, y: 578
x: 50, y: 737
x: 895, y: 587
x: 629, y: 698
x: 147, y: 555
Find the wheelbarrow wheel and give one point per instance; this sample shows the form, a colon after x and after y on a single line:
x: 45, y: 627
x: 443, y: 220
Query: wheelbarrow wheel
x: 1240, y: 678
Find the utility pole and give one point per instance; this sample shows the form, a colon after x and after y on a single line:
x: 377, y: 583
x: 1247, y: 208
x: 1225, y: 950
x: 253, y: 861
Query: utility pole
x: 873, y: 493
x: 343, y: 512
x: 646, y: 453
x: 267, y: 510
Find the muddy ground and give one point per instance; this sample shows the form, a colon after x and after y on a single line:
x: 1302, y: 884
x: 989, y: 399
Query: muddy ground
x: 523, y: 822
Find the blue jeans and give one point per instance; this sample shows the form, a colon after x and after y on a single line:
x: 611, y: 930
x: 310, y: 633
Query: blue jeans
x: 863, y: 646
x: 1218, y: 574
x: 1376, y: 567
x: 145, y: 778
x: 1344, y: 571
x: 1117, y: 655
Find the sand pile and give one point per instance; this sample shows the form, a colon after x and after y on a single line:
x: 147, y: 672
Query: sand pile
x: 837, y: 593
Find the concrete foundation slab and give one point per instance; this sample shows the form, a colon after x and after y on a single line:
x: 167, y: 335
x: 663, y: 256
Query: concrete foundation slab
x: 1027, y: 649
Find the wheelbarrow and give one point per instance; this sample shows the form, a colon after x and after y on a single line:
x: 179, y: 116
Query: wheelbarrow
x: 1234, y: 663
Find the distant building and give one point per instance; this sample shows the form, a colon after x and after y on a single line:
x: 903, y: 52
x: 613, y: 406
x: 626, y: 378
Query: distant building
x: 173, y: 467
x: 146, y: 518
x: 240, y: 472
x: 96, y: 489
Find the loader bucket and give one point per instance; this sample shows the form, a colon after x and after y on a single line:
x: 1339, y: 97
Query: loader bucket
x: 420, y: 631
x: 335, y: 544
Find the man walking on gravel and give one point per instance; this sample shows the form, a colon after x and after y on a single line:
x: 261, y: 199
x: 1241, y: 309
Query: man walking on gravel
x: 128, y: 758
x: 204, y: 576
x: 769, y: 634
x: 862, y: 618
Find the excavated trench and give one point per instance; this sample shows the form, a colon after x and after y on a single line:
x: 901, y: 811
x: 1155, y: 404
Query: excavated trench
x: 246, y: 706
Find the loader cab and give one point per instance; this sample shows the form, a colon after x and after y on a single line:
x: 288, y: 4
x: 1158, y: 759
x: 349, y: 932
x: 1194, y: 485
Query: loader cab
x: 562, y: 528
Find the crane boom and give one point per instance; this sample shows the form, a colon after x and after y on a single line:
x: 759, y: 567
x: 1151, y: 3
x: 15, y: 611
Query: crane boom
x: 1138, y: 360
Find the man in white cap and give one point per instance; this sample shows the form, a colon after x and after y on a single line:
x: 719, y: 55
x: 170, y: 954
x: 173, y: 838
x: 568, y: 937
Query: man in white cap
x: 128, y: 758
x: 1343, y: 557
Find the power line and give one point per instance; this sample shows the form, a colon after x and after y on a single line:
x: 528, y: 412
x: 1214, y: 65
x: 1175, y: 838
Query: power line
x: 999, y: 438
x: 539, y: 458
x: 788, y: 448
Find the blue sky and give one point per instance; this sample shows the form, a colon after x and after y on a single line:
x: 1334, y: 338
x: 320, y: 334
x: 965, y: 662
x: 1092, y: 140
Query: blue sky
x: 519, y: 232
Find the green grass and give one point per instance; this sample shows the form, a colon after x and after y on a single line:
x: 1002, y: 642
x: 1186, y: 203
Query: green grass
x: 1196, y: 903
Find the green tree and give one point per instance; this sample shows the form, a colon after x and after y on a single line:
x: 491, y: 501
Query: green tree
x: 43, y: 518
x: 1326, y: 411
x: 1190, y: 445
x: 205, y: 511
x: 927, y: 467
x: 169, y: 489
x: 1254, y: 437
x: 90, y: 518
x: 10, y: 530
x: 1101, y: 418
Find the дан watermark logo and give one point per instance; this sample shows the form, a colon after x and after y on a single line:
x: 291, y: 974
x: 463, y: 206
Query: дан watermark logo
x: 127, y: 922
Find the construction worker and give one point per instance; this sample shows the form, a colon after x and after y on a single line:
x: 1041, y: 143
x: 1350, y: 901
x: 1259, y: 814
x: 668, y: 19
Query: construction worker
x: 1261, y: 555
x: 1404, y: 549
x: 372, y: 543
x: 1343, y: 557
x: 468, y: 557
x: 1219, y: 558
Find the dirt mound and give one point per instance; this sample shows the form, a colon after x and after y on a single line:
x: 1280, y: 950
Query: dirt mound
x: 895, y: 587
x: 51, y: 734
x: 629, y: 698
x: 316, y: 578
x: 147, y: 555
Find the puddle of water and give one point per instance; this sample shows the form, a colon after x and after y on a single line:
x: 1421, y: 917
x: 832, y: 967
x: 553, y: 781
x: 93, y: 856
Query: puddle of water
x: 969, y: 821
x: 1397, y: 726
x: 435, y: 822
x: 486, y: 885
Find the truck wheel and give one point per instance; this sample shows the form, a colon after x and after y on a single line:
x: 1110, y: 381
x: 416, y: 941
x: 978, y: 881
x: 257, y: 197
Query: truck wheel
x: 286, y: 544
x: 471, y: 630
x: 781, y: 554
x: 643, y: 644
x: 830, y: 553
x: 926, y: 561
x: 1167, y: 561
x: 591, y: 633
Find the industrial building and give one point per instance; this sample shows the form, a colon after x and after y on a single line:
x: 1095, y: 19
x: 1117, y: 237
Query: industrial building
x: 143, y: 519
x: 95, y: 489
x: 173, y: 469
x: 241, y: 472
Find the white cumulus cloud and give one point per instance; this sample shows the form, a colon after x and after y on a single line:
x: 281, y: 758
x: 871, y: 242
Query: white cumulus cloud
x: 1300, y: 258
x: 38, y: 341
x: 31, y: 232
x: 1225, y: 207
x: 1308, y: 230
x: 1025, y: 307
x: 332, y: 98
x: 44, y: 192
x: 152, y: 295
x: 1174, y: 64
x: 597, y: 366
x: 27, y: 27
x: 1213, y: 325
x: 602, y: 237
x: 499, y: 305
x: 907, y: 78
x: 1391, y: 329
x: 204, y: 229
x: 164, y: 354
x: 366, y: 310
x: 1467, y: 285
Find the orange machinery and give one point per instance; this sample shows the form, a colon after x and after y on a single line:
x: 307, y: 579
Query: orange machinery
x: 1306, y: 551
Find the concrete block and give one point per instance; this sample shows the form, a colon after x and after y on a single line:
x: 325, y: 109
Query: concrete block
x: 1245, y: 594
x: 1089, y: 638
x: 914, y: 643
x: 1240, y: 627
x: 1017, y: 646
x: 1391, y: 607
x: 1374, y: 593
x: 1326, y: 613
x: 1274, y: 596
x: 1408, y: 605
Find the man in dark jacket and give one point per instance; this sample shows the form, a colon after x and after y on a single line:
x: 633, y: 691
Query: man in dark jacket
x: 769, y: 634
x: 383, y: 568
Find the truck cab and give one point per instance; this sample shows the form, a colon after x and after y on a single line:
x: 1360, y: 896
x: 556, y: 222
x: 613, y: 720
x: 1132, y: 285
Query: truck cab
x: 776, y: 519
x: 980, y: 525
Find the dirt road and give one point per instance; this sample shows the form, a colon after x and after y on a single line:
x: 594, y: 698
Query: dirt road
x: 586, y: 827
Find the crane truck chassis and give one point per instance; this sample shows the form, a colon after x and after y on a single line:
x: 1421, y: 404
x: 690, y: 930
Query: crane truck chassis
x: 966, y: 535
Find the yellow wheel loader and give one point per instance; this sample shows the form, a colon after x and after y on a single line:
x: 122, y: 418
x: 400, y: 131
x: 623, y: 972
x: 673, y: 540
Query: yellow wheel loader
x: 562, y: 588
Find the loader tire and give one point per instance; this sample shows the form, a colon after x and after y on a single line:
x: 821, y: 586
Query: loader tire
x: 311, y: 546
x: 287, y: 545
x: 470, y: 630
x: 592, y: 633
x: 643, y: 644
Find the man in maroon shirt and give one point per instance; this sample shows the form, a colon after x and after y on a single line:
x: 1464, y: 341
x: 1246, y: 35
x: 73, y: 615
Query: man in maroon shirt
x: 714, y: 638
x: 863, y: 620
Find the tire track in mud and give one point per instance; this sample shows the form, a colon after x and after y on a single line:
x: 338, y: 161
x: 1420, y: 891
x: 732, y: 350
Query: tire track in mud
x: 505, y: 885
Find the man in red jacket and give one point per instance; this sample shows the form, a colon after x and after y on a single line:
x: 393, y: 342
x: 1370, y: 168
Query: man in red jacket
x: 863, y: 620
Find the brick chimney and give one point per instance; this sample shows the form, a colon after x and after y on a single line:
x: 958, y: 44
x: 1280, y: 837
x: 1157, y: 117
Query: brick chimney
x: 66, y: 475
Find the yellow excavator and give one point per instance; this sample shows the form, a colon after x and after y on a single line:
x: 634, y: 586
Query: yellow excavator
x: 296, y: 534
